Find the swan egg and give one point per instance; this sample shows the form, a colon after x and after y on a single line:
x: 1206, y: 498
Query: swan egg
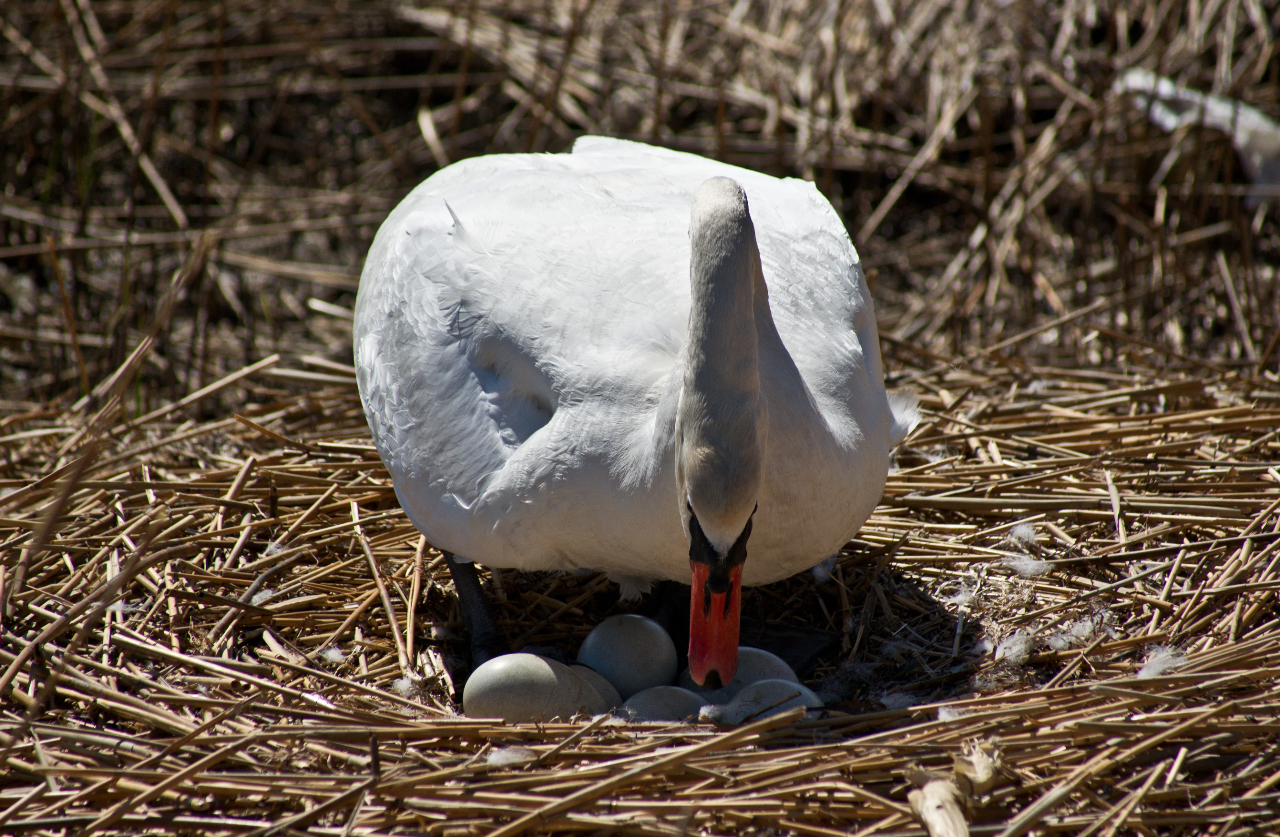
x: 521, y: 688
x: 631, y: 652
x: 662, y: 703
x: 760, y: 700
x: 602, y: 686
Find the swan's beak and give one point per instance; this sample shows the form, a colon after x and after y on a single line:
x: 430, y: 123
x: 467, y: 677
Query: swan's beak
x: 713, y: 626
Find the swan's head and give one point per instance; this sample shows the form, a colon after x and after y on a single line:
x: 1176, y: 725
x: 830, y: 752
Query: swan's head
x: 720, y: 426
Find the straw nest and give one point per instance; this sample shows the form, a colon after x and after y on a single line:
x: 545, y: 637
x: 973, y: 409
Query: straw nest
x: 216, y: 619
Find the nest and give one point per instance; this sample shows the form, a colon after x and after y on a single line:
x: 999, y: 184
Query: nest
x: 230, y: 626
x: 216, y: 618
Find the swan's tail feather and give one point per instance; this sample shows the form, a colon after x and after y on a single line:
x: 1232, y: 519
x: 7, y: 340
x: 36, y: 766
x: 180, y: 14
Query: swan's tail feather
x: 904, y: 408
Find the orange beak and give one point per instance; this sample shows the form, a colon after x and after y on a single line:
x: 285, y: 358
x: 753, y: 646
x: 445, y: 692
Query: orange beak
x: 713, y: 628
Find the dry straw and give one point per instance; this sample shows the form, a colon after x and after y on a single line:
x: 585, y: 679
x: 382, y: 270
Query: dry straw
x: 216, y: 619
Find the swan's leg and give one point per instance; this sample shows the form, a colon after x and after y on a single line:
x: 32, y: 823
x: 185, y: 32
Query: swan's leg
x: 487, y: 641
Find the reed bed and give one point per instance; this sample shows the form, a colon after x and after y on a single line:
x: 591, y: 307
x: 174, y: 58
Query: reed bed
x: 216, y: 619
x: 229, y: 626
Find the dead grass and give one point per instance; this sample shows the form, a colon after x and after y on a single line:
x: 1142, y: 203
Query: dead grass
x: 217, y: 620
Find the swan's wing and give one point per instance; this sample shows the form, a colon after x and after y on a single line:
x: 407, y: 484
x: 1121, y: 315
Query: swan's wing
x: 517, y: 321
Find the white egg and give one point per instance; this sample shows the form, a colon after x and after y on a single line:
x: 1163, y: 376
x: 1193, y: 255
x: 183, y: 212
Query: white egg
x: 754, y: 665
x: 603, y: 687
x: 760, y: 700
x: 521, y: 688
x: 662, y: 703
x: 631, y: 652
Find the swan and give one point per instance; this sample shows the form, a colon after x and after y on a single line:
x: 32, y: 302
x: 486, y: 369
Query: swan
x: 627, y: 359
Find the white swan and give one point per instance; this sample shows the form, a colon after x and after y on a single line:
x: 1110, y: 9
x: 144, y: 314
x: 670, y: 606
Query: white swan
x: 574, y: 361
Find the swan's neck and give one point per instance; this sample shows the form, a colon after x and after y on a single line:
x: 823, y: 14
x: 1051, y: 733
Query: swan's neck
x: 720, y: 423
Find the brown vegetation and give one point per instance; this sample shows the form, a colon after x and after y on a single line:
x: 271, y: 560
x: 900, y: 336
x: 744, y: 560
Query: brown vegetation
x: 216, y: 619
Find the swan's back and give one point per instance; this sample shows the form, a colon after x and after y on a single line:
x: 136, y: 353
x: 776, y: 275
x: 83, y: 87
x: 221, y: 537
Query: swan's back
x: 518, y: 323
